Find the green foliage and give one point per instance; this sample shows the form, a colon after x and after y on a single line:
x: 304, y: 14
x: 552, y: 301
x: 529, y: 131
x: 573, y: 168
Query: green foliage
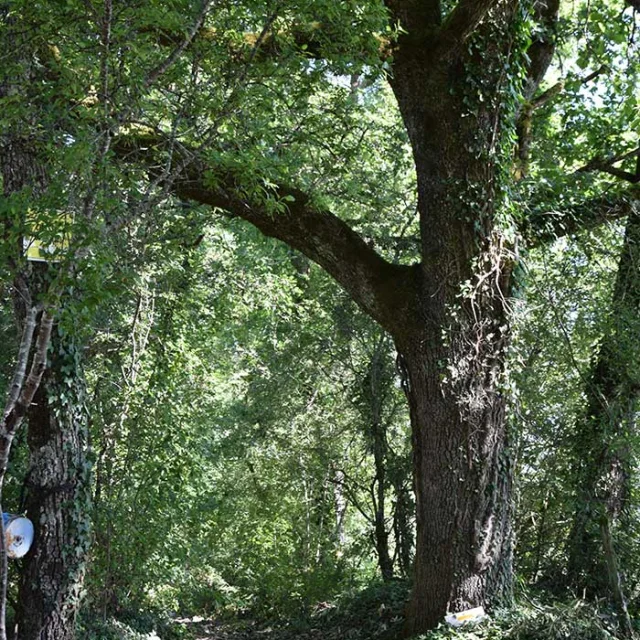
x: 129, y: 627
x: 237, y: 512
x: 534, y: 621
x: 229, y: 380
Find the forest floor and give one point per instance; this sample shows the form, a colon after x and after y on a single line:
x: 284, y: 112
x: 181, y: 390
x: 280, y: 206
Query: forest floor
x: 359, y: 619
x: 213, y: 630
x: 381, y: 627
x: 374, y: 614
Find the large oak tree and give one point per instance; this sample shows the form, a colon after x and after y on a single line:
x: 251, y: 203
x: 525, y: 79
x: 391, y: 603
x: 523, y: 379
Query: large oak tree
x: 465, y: 76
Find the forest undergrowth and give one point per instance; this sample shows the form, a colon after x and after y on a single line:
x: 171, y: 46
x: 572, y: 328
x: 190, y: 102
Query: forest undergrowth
x: 375, y: 613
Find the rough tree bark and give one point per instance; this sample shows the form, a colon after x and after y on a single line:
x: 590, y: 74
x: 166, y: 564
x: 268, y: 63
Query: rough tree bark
x: 58, y: 500
x: 52, y: 578
x: 58, y: 476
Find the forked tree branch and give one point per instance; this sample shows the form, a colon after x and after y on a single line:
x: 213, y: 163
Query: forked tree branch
x: 607, y: 166
x: 162, y: 68
x: 463, y: 21
x: 540, y: 52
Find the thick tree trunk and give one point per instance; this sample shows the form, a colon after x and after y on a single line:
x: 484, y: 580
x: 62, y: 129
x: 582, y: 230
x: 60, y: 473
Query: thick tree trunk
x: 455, y: 347
x: 58, y: 501
x: 462, y: 481
x: 456, y: 81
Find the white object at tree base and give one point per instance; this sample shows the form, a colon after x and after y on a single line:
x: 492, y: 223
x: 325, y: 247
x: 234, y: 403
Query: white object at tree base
x: 469, y: 616
x: 18, y: 535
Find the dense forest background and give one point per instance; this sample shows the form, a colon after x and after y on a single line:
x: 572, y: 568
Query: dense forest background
x: 220, y: 443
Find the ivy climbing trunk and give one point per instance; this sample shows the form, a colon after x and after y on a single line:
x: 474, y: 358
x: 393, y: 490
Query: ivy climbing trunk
x: 462, y: 482
x: 57, y: 504
x: 457, y: 79
x: 453, y: 351
x: 601, y: 450
x: 58, y: 499
x: 52, y: 570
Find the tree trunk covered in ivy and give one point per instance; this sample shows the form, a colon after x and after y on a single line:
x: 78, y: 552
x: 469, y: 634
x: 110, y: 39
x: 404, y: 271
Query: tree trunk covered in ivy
x: 453, y: 348
x: 58, y: 499
x: 601, y: 449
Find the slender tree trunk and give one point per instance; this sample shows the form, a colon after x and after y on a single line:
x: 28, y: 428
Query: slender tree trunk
x: 374, y: 391
x: 340, y: 506
x: 602, y: 455
x: 58, y: 500
x: 614, y: 577
x: 377, y: 382
x: 381, y: 532
x: 402, y: 529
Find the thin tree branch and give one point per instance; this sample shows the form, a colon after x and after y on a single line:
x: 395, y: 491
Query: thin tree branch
x: 559, y: 87
x: 547, y: 225
x: 164, y: 66
x: 22, y: 361
x: 606, y: 166
x: 541, y: 50
x: 14, y: 418
x: 307, y: 37
x: 351, y: 496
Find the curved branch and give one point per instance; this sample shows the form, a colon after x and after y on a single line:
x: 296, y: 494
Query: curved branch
x: 375, y: 284
x: 382, y: 289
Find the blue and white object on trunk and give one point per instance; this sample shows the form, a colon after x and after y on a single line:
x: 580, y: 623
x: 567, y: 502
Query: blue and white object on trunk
x: 18, y: 534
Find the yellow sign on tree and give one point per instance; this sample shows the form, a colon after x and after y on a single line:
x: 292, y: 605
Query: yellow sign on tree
x: 45, y: 244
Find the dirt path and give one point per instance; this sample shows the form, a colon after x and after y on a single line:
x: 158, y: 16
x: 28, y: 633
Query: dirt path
x: 216, y: 630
